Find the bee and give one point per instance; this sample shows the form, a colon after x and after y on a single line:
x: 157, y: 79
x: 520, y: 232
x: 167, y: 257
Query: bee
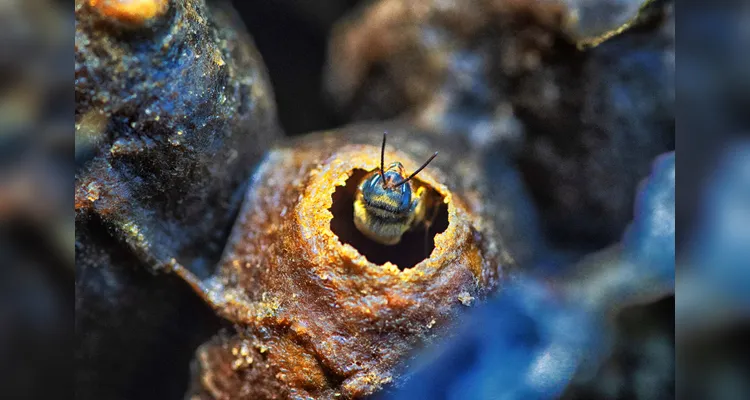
x: 386, y: 204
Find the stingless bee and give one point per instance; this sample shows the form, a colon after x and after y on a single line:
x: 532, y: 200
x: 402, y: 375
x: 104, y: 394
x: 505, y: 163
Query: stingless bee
x: 386, y: 204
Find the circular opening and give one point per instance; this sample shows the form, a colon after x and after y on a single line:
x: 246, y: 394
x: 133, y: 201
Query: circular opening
x: 415, y: 245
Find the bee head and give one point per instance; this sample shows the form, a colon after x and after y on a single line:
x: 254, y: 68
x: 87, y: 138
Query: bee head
x: 384, y: 207
x: 384, y: 190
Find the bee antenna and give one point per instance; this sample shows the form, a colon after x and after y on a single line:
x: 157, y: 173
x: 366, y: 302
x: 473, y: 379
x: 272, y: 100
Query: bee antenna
x: 417, y: 171
x: 382, y: 159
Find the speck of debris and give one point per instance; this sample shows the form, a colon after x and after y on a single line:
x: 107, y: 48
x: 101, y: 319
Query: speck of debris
x: 465, y: 298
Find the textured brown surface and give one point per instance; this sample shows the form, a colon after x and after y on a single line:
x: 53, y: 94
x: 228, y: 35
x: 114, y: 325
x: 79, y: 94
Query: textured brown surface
x: 171, y: 116
x: 316, y: 317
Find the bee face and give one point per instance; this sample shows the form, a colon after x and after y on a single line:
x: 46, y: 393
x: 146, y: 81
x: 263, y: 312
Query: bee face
x: 384, y: 206
x: 382, y: 195
x: 382, y: 211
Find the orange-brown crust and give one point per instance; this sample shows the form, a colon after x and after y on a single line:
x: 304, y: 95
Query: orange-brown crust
x: 329, y: 322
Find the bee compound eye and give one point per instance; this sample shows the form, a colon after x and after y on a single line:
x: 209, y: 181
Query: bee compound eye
x: 374, y: 181
x: 405, y: 196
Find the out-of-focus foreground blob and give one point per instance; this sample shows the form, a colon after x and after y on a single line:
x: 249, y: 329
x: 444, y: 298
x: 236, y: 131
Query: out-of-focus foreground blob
x: 649, y: 240
x: 641, y: 268
x: 534, y: 340
x: 583, y: 121
x: 172, y: 111
x: 324, y: 311
x: 630, y: 287
x: 525, y: 344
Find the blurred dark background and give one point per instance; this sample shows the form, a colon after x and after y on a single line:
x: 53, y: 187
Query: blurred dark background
x: 292, y: 37
x: 36, y: 184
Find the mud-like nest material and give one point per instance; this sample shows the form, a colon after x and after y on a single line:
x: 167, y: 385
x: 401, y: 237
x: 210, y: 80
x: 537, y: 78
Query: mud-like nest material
x: 416, y: 244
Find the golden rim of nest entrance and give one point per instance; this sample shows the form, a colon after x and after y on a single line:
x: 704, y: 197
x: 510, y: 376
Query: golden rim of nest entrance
x: 325, y: 215
x: 415, y: 245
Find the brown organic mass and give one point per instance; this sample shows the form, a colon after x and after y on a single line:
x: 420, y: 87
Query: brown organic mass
x: 317, y: 317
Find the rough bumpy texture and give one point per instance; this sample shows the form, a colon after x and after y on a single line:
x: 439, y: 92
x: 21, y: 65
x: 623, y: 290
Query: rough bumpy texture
x: 178, y: 110
x: 172, y: 111
x: 318, y: 318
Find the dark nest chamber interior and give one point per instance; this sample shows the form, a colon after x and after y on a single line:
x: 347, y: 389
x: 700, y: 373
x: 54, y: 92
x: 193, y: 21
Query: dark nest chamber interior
x: 415, y: 245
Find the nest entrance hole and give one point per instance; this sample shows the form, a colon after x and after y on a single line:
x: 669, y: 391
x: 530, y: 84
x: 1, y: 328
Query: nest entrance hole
x: 415, y: 245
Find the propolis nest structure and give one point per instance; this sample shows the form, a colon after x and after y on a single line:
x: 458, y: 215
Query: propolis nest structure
x: 184, y: 173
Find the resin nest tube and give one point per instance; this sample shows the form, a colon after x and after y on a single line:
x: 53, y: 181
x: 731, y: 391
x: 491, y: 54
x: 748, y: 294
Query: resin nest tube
x: 322, y: 310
